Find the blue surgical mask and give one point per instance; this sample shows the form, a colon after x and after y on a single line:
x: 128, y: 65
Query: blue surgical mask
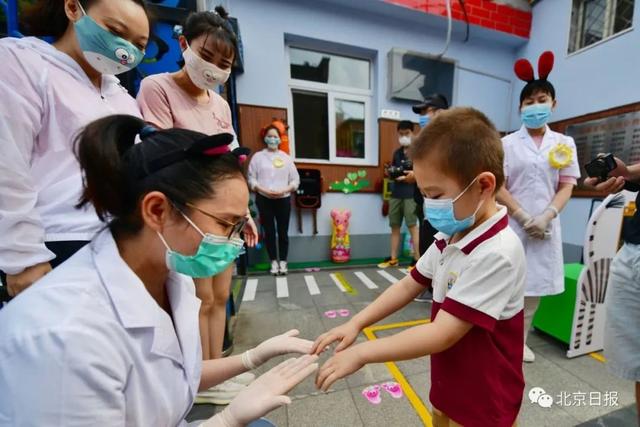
x: 273, y: 142
x: 441, y: 215
x: 214, y: 255
x: 104, y: 51
x: 423, y: 120
x: 535, y: 116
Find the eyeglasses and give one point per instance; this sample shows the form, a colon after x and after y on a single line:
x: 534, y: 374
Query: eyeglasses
x: 236, y: 228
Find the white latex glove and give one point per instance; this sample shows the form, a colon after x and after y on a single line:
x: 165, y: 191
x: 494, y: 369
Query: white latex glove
x: 522, y: 217
x: 276, y: 346
x: 265, y: 394
x: 538, y: 225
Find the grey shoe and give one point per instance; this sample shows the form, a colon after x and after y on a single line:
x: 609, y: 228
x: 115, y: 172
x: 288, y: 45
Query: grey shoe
x: 283, y: 268
x: 275, y: 268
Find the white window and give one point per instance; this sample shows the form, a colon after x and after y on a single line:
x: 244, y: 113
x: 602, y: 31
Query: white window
x: 596, y: 20
x: 330, y: 108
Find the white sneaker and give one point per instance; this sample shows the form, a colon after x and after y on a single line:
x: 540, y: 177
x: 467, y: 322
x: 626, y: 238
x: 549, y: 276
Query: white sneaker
x: 222, y: 394
x: 529, y: 357
x: 244, y: 379
x: 283, y: 268
x: 275, y: 268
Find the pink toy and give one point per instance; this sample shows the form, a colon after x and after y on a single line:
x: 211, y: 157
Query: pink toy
x: 372, y: 394
x: 340, y: 246
x: 343, y: 312
x: 393, y: 388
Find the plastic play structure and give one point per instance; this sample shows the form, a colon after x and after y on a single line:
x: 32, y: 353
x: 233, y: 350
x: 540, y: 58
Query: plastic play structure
x: 577, y: 316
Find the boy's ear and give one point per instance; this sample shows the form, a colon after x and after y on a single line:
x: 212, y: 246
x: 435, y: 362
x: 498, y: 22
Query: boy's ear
x: 487, y: 182
x: 554, y: 104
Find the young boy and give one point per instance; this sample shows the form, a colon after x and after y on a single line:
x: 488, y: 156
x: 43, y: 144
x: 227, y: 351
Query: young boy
x: 476, y: 267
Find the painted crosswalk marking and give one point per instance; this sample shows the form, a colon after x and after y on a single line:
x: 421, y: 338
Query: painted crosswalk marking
x: 403, y: 270
x: 339, y: 279
x: 312, y: 285
x: 250, y: 290
x: 337, y: 282
x: 364, y: 279
x: 387, y: 276
x: 282, y: 287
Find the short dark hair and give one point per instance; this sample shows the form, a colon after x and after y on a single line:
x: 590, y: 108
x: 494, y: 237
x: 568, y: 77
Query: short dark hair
x: 405, y: 125
x: 113, y: 167
x: 537, y: 86
x: 466, y: 144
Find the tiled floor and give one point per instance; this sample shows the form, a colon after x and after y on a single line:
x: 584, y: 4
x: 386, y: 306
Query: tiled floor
x: 266, y: 315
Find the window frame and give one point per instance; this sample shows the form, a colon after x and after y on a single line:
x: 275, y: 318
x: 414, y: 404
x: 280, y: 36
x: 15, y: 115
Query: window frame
x: 609, y: 25
x: 333, y: 92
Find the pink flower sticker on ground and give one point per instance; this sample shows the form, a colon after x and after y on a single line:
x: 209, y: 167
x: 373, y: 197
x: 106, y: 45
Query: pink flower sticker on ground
x: 393, y: 388
x: 372, y: 394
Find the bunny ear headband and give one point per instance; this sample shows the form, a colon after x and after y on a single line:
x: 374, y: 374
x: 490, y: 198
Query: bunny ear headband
x: 524, y: 69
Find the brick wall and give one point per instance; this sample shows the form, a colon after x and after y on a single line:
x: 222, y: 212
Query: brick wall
x: 483, y: 13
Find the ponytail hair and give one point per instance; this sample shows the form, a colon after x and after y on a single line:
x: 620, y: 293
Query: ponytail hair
x: 118, y: 172
x: 100, y: 151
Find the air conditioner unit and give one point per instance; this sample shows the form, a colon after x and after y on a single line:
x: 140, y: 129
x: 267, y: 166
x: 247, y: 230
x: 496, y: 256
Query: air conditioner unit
x: 413, y: 75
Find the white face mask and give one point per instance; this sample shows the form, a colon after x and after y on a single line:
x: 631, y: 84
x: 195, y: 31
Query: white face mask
x: 405, y: 141
x: 203, y: 74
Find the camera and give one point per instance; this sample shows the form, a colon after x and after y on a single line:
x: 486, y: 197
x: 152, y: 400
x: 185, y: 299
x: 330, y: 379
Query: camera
x: 395, y: 172
x: 601, y: 166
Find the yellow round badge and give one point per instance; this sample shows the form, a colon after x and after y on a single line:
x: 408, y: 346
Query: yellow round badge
x: 560, y: 156
x: 277, y: 162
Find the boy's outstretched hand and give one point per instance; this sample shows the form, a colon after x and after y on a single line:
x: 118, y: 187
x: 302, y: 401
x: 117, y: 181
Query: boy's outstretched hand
x: 346, y: 334
x: 339, y: 366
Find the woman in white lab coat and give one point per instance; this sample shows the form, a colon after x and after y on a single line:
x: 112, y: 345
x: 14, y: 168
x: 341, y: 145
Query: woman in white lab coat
x: 111, y: 336
x: 541, y: 169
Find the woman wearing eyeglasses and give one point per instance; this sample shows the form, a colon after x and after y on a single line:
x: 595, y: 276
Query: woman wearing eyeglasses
x: 188, y: 99
x: 110, y: 337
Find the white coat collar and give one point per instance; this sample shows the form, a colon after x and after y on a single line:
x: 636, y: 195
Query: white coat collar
x: 547, y: 139
x: 137, y: 309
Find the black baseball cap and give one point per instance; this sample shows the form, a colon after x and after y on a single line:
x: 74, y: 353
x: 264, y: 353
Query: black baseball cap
x: 435, y: 100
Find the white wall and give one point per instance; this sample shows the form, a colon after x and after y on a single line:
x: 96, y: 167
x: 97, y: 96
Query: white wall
x: 366, y: 215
